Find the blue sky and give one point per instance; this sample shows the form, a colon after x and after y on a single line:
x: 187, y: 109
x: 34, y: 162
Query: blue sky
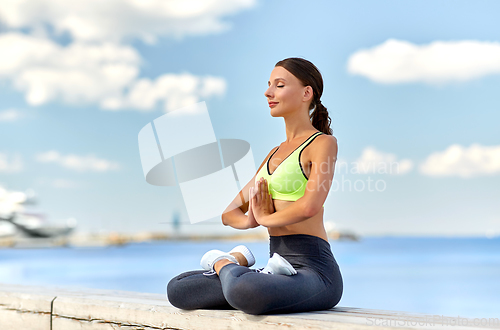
x: 69, y: 126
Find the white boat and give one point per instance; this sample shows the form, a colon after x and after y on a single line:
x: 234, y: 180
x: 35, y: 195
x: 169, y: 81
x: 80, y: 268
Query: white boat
x: 15, y: 218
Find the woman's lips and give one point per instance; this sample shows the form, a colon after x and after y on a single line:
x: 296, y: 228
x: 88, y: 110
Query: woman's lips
x: 272, y: 104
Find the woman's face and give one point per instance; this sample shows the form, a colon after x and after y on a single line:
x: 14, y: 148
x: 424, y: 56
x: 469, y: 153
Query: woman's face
x: 287, y: 91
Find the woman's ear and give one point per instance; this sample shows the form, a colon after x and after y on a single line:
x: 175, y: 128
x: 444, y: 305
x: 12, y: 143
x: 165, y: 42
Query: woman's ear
x: 308, y: 94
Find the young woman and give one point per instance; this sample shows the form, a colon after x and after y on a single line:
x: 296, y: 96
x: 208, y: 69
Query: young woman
x: 286, y: 196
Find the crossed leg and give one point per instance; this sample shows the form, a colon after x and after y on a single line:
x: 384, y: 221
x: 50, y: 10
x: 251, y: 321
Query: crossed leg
x: 257, y: 293
x: 193, y: 290
x: 239, y: 287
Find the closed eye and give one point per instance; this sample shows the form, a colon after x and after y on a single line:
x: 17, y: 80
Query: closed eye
x: 281, y: 86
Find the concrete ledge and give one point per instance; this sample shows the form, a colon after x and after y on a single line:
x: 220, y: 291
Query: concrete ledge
x: 57, y: 308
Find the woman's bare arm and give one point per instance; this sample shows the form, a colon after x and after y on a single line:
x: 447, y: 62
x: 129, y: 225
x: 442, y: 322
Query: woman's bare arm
x: 234, y: 215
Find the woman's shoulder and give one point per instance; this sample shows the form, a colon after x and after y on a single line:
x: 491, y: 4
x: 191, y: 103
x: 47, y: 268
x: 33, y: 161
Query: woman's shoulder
x: 326, y: 142
x: 326, y: 139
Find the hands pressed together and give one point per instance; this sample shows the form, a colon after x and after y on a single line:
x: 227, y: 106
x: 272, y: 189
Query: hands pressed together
x: 260, y: 203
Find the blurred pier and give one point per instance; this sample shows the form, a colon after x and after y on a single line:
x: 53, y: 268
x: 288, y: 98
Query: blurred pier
x: 116, y: 238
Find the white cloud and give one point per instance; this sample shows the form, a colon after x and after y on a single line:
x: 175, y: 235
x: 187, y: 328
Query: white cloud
x: 374, y: 161
x: 114, y: 20
x: 175, y: 91
x: 77, y: 73
x: 10, y: 115
x: 104, y: 73
x: 398, y: 61
x: 78, y: 163
x: 464, y: 162
x: 10, y: 166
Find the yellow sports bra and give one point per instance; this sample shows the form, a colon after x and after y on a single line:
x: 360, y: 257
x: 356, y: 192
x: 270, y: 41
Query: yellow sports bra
x: 288, y: 181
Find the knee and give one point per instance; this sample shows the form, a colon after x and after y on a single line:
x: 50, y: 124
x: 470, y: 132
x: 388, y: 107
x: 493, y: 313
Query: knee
x: 247, y: 297
x: 176, y: 295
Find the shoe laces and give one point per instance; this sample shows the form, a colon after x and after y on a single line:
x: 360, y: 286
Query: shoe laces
x: 210, y: 273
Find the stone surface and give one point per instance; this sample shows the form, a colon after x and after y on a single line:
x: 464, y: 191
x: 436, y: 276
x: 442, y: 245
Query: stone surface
x: 32, y: 307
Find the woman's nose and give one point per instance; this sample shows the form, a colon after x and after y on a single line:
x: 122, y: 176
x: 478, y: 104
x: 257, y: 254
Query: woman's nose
x: 267, y: 93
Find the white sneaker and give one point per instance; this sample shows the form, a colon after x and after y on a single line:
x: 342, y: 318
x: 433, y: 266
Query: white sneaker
x: 278, y: 265
x: 209, y: 259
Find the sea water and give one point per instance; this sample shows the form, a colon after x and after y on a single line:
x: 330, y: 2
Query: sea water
x: 434, y: 275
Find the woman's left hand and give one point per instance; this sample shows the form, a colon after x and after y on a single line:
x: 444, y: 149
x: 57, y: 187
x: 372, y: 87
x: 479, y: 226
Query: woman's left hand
x: 262, y: 202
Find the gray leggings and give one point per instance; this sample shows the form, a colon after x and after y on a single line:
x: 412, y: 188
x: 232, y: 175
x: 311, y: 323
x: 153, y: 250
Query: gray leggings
x: 317, y: 285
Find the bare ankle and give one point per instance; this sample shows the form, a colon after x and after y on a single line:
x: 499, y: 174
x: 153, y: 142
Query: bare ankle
x: 221, y: 263
x: 240, y: 257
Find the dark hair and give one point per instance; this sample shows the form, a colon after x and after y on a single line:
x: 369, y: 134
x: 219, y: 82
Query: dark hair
x: 309, y: 75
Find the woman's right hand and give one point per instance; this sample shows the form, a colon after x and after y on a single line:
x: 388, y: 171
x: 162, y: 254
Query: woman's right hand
x: 252, y: 223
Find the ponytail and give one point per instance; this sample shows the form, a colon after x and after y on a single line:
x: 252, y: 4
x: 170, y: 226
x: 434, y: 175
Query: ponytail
x: 320, y: 118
